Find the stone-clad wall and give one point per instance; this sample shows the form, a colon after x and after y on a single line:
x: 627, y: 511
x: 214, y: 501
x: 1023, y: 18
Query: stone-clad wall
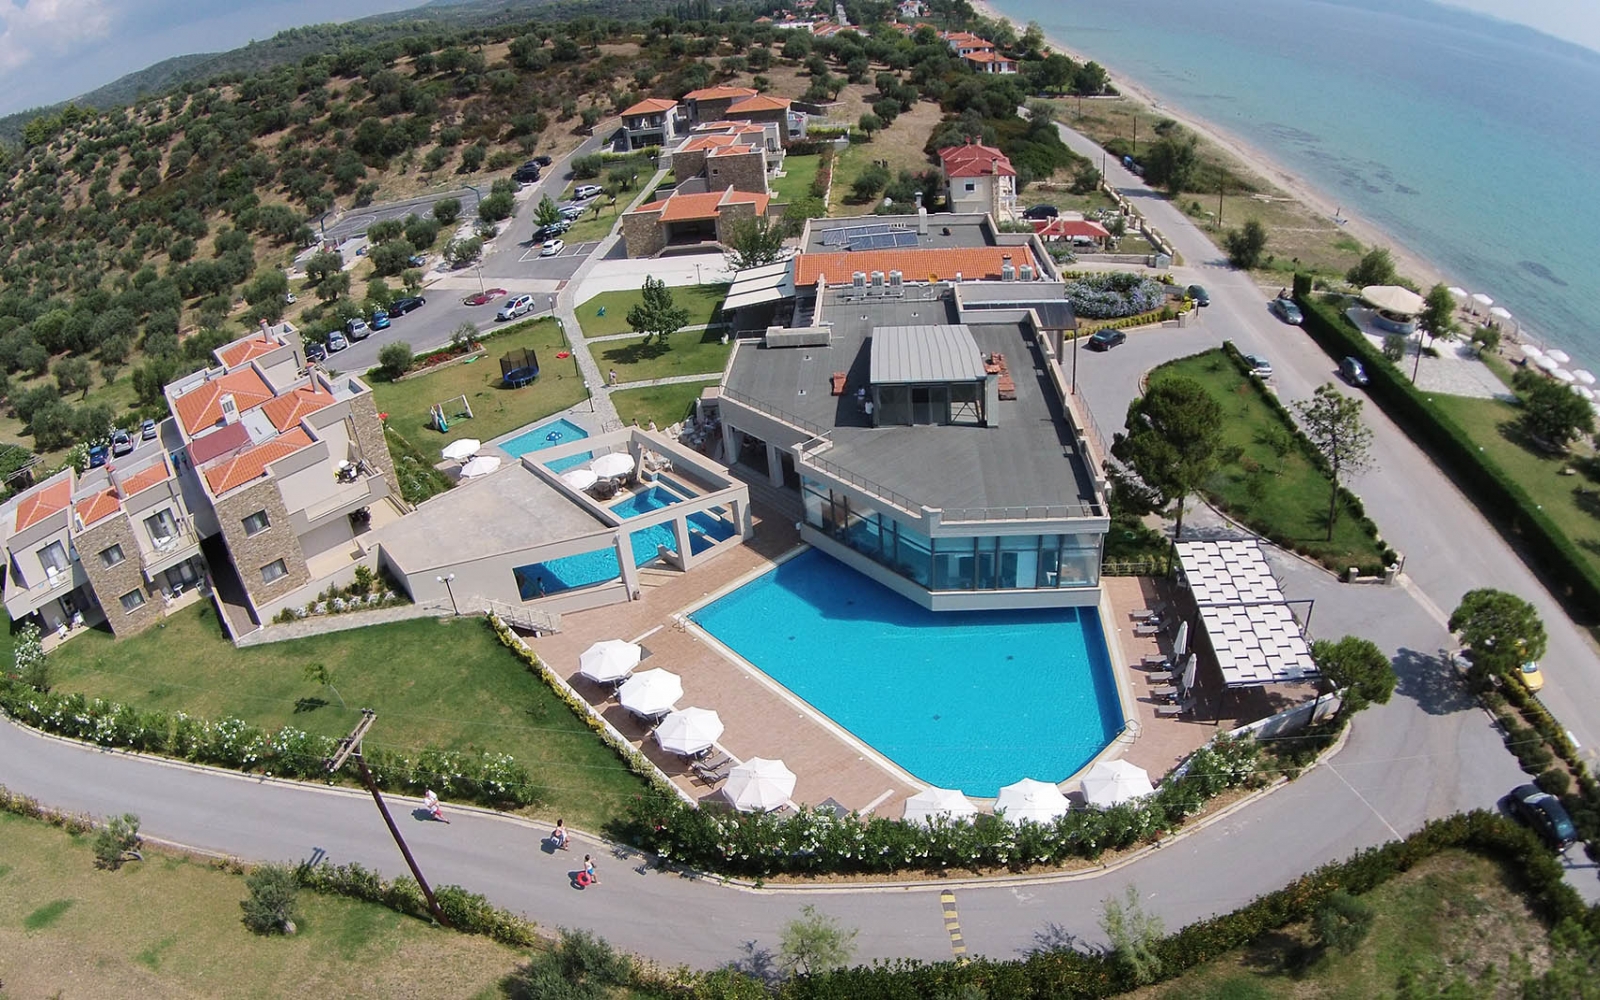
x: 111, y: 582
x: 252, y: 552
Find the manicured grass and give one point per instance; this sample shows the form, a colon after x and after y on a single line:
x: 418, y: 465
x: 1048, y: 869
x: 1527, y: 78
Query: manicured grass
x: 169, y: 927
x: 798, y: 173
x: 592, y: 225
x: 701, y: 301
x: 1456, y: 916
x: 688, y: 353
x: 495, y: 409
x: 444, y: 683
x: 1283, y: 497
x: 665, y: 404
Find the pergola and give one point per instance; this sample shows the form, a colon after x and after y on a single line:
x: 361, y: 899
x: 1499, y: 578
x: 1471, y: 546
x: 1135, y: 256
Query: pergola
x: 1247, y: 621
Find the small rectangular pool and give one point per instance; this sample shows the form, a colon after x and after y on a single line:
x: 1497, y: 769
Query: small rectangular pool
x: 586, y: 569
x: 644, y: 501
x: 549, y: 435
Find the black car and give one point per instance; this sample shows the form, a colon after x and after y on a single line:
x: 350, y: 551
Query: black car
x: 399, y: 307
x: 1353, y: 372
x: 1041, y: 212
x: 527, y: 173
x: 1199, y: 295
x: 1105, y: 340
x: 316, y: 352
x: 1545, y: 813
x: 551, y: 231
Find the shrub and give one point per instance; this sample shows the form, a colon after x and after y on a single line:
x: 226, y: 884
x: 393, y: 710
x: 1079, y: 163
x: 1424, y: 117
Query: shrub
x: 117, y: 841
x: 1342, y: 922
x: 271, y: 907
x: 395, y: 358
x: 1111, y: 296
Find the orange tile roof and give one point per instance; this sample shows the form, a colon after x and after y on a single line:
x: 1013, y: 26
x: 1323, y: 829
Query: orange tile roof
x: 760, y: 102
x: 144, y: 479
x: 738, y: 150
x: 35, y: 507
x: 986, y: 57
x: 242, y: 352
x: 286, y: 410
x: 708, y: 142
x: 718, y: 93
x: 1070, y: 227
x: 650, y: 106
x: 972, y: 263
x: 252, y: 463
x: 201, y: 406
x: 98, y: 507
x: 974, y: 159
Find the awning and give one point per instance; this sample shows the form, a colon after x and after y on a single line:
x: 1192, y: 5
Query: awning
x: 1393, y: 299
x: 1247, y: 621
x: 755, y: 285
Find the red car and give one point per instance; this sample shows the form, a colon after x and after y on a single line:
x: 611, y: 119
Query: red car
x: 484, y: 297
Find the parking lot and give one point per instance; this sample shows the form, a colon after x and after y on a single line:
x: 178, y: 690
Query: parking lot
x: 579, y: 250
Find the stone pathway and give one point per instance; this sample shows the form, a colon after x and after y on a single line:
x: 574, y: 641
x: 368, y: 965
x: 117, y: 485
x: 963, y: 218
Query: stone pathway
x: 1457, y: 371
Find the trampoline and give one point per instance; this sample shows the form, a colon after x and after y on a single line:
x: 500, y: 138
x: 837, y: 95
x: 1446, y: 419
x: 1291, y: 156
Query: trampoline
x: 518, y: 368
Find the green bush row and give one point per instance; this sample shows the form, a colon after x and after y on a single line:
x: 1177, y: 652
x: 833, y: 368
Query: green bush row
x: 491, y: 779
x: 1539, y: 743
x: 1544, y: 546
x: 817, y: 842
x: 467, y: 912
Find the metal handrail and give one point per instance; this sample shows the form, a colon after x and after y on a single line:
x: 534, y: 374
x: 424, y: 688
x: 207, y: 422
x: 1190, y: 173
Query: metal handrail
x: 1050, y: 512
x: 533, y: 618
x: 772, y: 411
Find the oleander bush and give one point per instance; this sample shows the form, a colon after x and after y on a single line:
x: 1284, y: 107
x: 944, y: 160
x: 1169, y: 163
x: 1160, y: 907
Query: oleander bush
x: 466, y: 911
x: 1114, y: 295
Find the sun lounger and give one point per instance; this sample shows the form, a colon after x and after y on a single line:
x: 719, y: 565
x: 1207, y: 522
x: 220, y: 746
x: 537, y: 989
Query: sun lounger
x: 1160, y: 677
x: 1149, y: 628
x: 1160, y: 660
x: 713, y: 771
x: 1164, y: 691
x: 1181, y: 708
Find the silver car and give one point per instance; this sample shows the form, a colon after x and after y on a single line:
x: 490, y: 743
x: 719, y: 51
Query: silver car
x: 514, y: 307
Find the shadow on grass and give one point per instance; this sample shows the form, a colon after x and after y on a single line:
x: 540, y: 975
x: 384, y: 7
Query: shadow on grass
x: 1587, y: 499
x: 309, y: 704
x: 1429, y: 680
x: 632, y: 354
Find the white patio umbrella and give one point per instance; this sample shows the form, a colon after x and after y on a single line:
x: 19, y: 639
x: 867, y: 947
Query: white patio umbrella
x: 1563, y: 375
x: 1480, y: 299
x: 1189, y: 671
x: 1559, y: 355
x: 460, y: 451
x: 1530, y: 351
x: 1457, y: 293
x: 759, y: 785
x: 580, y: 479
x: 1038, y: 801
x: 1583, y: 375
x: 1181, y: 645
x: 609, y: 660
x: 1112, y: 781
x: 688, y: 730
x: 1582, y: 390
x: 616, y: 463
x: 1501, y: 313
x: 930, y: 802
x: 651, y: 692
x: 480, y: 466
x: 1548, y: 363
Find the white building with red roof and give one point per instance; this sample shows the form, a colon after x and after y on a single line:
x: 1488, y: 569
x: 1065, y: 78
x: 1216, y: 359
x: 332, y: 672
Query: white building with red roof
x: 979, y: 178
x: 654, y: 121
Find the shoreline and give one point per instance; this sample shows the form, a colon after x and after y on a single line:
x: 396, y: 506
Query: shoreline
x: 1408, y: 261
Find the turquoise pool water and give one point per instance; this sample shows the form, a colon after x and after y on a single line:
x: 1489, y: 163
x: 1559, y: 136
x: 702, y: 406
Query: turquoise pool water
x: 645, y: 501
x: 600, y: 566
x: 969, y: 699
x: 549, y: 435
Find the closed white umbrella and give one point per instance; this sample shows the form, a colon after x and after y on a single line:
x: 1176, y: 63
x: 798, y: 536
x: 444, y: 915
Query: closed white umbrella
x: 1563, y: 375
x: 1181, y: 646
x: 609, y: 660
x: 651, y: 692
x: 1583, y: 375
x: 1559, y: 355
x: 1529, y: 351
x: 759, y: 785
x: 689, y: 730
x: 1035, y: 801
x: 480, y: 466
x: 1500, y: 313
x: 1457, y: 293
x: 616, y: 463
x: 1481, y: 300
x: 1548, y: 363
x: 580, y: 479
x: 1110, y: 782
x: 931, y: 802
x: 460, y: 451
x: 1189, y: 672
x: 1582, y: 390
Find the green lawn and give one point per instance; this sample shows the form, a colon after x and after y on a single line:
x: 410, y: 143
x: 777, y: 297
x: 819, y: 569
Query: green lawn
x: 444, y: 683
x: 495, y: 409
x: 1285, y: 498
x: 596, y: 226
x: 169, y: 927
x: 702, y: 302
x: 689, y: 353
x: 665, y: 404
x: 798, y: 173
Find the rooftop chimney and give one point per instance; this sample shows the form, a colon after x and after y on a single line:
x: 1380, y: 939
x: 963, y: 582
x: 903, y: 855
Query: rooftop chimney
x: 922, y: 220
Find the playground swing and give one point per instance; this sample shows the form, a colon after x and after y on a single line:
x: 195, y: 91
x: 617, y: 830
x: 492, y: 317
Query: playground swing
x: 443, y: 412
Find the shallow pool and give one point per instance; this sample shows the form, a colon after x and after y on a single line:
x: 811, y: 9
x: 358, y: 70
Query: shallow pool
x: 644, y: 501
x: 549, y: 435
x: 966, y: 699
x: 587, y: 569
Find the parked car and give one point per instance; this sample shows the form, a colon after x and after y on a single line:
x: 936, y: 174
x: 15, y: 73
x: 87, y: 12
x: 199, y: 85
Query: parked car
x: 336, y: 342
x: 1545, y: 813
x: 551, y: 231
x: 399, y: 307
x: 417, y: 260
x: 121, y: 442
x: 542, y: 160
x: 147, y: 430
x: 1286, y: 310
x: 1041, y: 212
x: 527, y: 173
x: 583, y: 192
x: 551, y: 247
x: 1259, y: 367
x: 1198, y: 293
x: 357, y: 329
x: 98, y: 453
x: 1531, y: 676
x: 1353, y: 372
x: 380, y: 319
x: 1105, y: 340
x: 514, y: 307
x: 484, y: 297
x: 315, y: 352
x: 571, y: 212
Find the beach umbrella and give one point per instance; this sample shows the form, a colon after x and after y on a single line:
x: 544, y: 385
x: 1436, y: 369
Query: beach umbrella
x: 1480, y: 299
x: 1110, y: 782
x: 460, y: 451
x: 609, y: 466
x: 1189, y: 671
x: 651, y: 692
x: 1563, y: 375
x: 759, y: 785
x: 580, y: 479
x: 1036, y: 801
x: 1582, y: 390
x: 480, y: 466
x: 609, y: 660
x: 1548, y: 363
x: 1583, y: 375
x: 1457, y: 293
x: 1181, y: 644
x: 1501, y: 313
x: 1529, y: 351
x: 1558, y: 354
x: 688, y: 731
x: 931, y: 802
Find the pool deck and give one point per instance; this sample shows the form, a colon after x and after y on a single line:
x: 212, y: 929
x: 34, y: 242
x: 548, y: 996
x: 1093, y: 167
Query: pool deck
x: 762, y: 722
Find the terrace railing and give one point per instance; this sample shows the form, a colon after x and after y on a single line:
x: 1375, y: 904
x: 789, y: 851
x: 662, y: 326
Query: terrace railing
x: 772, y: 411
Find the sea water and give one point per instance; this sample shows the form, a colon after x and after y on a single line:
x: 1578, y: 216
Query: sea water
x: 1475, y: 143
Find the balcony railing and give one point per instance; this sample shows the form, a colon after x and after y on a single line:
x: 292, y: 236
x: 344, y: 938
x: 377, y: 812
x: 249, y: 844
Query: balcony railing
x: 773, y: 411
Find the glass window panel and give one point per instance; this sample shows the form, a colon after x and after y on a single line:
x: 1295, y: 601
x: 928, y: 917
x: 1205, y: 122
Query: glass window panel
x: 914, y: 556
x: 1019, y: 562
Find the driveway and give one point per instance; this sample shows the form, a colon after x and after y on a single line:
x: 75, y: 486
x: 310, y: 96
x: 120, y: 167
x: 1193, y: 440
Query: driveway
x: 358, y: 220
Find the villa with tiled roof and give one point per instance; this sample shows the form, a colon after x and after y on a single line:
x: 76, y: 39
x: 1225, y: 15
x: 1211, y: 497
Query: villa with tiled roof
x: 711, y: 103
x: 979, y: 178
x: 654, y: 121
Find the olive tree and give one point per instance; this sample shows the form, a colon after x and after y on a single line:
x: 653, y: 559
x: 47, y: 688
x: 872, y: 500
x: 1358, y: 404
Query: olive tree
x: 1173, y: 436
x: 1332, y: 422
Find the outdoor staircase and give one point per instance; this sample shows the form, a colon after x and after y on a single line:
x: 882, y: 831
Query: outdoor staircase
x: 651, y: 577
x: 527, y: 619
x: 771, y: 499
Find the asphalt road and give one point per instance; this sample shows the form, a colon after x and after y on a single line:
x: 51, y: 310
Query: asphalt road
x: 357, y: 220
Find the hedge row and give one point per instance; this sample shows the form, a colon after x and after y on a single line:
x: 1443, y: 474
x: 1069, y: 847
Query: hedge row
x: 491, y: 779
x: 1537, y: 745
x: 1545, y: 547
x: 816, y: 842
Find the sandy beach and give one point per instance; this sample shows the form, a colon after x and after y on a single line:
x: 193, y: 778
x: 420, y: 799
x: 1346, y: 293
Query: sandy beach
x: 1407, y: 259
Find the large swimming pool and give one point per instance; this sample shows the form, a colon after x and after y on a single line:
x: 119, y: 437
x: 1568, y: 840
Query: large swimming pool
x: 968, y: 699
x: 556, y: 432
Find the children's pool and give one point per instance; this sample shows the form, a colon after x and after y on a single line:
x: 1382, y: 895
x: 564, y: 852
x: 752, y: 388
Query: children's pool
x: 549, y: 435
x: 600, y: 566
x: 965, y: 699
x: 644, y: 501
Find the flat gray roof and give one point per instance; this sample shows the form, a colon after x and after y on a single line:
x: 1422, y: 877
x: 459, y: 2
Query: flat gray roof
x: 944, y: 231
x: 504, y: 511
x: 1029, y: 459
x: 935, y: 352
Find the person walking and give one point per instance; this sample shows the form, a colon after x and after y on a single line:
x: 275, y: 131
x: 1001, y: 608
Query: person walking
x: 588, y: 870
x: 560, y: 835
x: 613, y: 376
x: 430, y: 802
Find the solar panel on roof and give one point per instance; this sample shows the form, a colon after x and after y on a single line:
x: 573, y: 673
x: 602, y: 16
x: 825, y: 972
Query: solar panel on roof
x: 905, y: 239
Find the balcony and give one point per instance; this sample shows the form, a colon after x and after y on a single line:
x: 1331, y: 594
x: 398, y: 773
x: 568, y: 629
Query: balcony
x: 160, y: 553
x: 20, y: 601
x: 364, y: 487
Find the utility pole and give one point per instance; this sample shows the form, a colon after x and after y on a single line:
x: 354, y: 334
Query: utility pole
x: 350, y: 748
x: 1222, y: 185
x: 1135, y: 152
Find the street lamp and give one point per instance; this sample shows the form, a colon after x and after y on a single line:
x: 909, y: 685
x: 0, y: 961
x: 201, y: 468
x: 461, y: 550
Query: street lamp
x: 479, y: 271
x: 447, y: 589
x: 590, y: 390
x: 697, y: 273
